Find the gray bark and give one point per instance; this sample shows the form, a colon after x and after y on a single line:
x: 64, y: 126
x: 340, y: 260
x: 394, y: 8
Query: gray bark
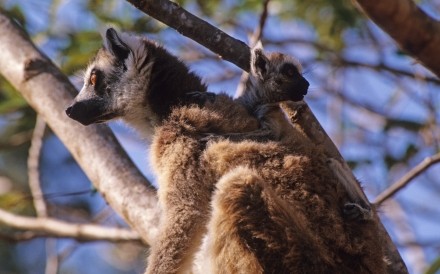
x: 94, y: 147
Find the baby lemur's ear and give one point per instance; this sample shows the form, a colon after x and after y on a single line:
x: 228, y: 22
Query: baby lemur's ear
x: 115, y: 45
x: 259, y: 61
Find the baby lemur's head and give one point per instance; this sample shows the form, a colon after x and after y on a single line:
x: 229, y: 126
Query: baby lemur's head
x: 273, y: 78
x: 134, y: 79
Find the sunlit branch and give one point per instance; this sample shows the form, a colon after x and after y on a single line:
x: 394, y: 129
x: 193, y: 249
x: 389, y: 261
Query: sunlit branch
x: 407, y: 178
x: 37, y: 193
x: 94, y: 147
x: 189, y: 25
x: 49, y: 227
x: 33, y: 167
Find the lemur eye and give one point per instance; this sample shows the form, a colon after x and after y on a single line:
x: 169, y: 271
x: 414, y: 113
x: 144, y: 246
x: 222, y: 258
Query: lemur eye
x: 289, y: 70
x: 93, y: 78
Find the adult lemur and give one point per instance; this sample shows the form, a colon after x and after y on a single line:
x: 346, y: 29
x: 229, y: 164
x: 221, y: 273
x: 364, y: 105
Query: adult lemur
x: 261, y: 206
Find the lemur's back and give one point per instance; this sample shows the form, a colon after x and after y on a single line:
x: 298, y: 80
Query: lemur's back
x: 273, y: 204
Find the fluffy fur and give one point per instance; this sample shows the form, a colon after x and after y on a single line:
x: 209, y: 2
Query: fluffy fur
x: 260, y: 206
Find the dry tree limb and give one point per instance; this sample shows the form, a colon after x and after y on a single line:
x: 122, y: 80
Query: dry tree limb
x: 94, y: 147
x: 253, y: 40
x: 50, y: 227
x: 407, y: 178
x: 36, y: 191
x: 33, y: 167
x: 189, y: 25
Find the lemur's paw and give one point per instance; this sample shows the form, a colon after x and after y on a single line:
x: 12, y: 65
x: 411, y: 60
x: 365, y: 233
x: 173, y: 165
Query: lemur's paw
x: 356, y: 212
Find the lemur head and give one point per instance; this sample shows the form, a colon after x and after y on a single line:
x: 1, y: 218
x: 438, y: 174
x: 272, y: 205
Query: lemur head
x: 134, y: 79
x: 276, y: 77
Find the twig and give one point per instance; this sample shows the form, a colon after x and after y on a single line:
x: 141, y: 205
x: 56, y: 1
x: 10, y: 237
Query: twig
x: 37, y: 193
x: 255, y: 37
x: 387, y: 68
x: 33, y: 167
x: 407, y: 178
x: 258, y: 33
x: 59, y: 229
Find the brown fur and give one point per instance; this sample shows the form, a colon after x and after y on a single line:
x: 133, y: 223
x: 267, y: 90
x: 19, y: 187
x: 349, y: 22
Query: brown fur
x: 283, y: 205
x: 261, y: 206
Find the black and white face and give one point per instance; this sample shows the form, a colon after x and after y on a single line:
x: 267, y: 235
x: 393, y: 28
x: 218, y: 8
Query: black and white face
x: 111, y: 83
x: 279, y: 75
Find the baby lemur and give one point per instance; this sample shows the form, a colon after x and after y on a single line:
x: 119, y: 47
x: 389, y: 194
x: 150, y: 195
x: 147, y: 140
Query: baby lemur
x: 259, y: 206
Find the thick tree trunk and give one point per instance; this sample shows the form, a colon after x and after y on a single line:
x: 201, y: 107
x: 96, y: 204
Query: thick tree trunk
x: 94, y: 147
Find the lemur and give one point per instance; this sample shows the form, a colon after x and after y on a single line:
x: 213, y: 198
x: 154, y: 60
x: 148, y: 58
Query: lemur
x: 261, y: 207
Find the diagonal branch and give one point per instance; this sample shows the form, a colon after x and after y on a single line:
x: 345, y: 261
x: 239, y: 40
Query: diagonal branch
x: 55, y: 228
x: 414, y: 30
x: 407, y: 178
x: 95, y: 148
x: 173, y: 15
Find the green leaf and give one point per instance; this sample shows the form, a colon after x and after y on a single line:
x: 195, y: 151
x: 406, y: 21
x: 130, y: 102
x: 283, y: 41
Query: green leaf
x: 434, y: 268
x: 10, y: 99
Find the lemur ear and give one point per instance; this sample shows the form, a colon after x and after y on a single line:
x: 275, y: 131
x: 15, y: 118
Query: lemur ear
x: 115, y: 44
x: 259, y: 61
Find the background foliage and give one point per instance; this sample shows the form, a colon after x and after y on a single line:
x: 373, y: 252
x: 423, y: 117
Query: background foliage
x: 378, y: 105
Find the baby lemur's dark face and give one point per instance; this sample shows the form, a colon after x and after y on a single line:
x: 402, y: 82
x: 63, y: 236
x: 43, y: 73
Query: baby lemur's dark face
x: 280, y: 75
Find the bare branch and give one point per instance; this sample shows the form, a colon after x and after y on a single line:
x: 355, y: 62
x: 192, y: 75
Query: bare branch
x: 387, y: 68
x: 33, y: 167
x: 37, y: 193
x: 258, y: 33
x: 60, y: 229
x: 94, y: 147
x: 414, y: 30
x: 173, y: 15
x: 255, y: 37
x: 407, y: 178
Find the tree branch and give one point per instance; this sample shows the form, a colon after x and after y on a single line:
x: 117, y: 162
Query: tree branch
x: 33, y: 167
x: 254, y: 38
x: 50, y: 227
x: 94, y: 147
x: 407, y: 178
x: 173, y: 15
x: 414, y: 30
